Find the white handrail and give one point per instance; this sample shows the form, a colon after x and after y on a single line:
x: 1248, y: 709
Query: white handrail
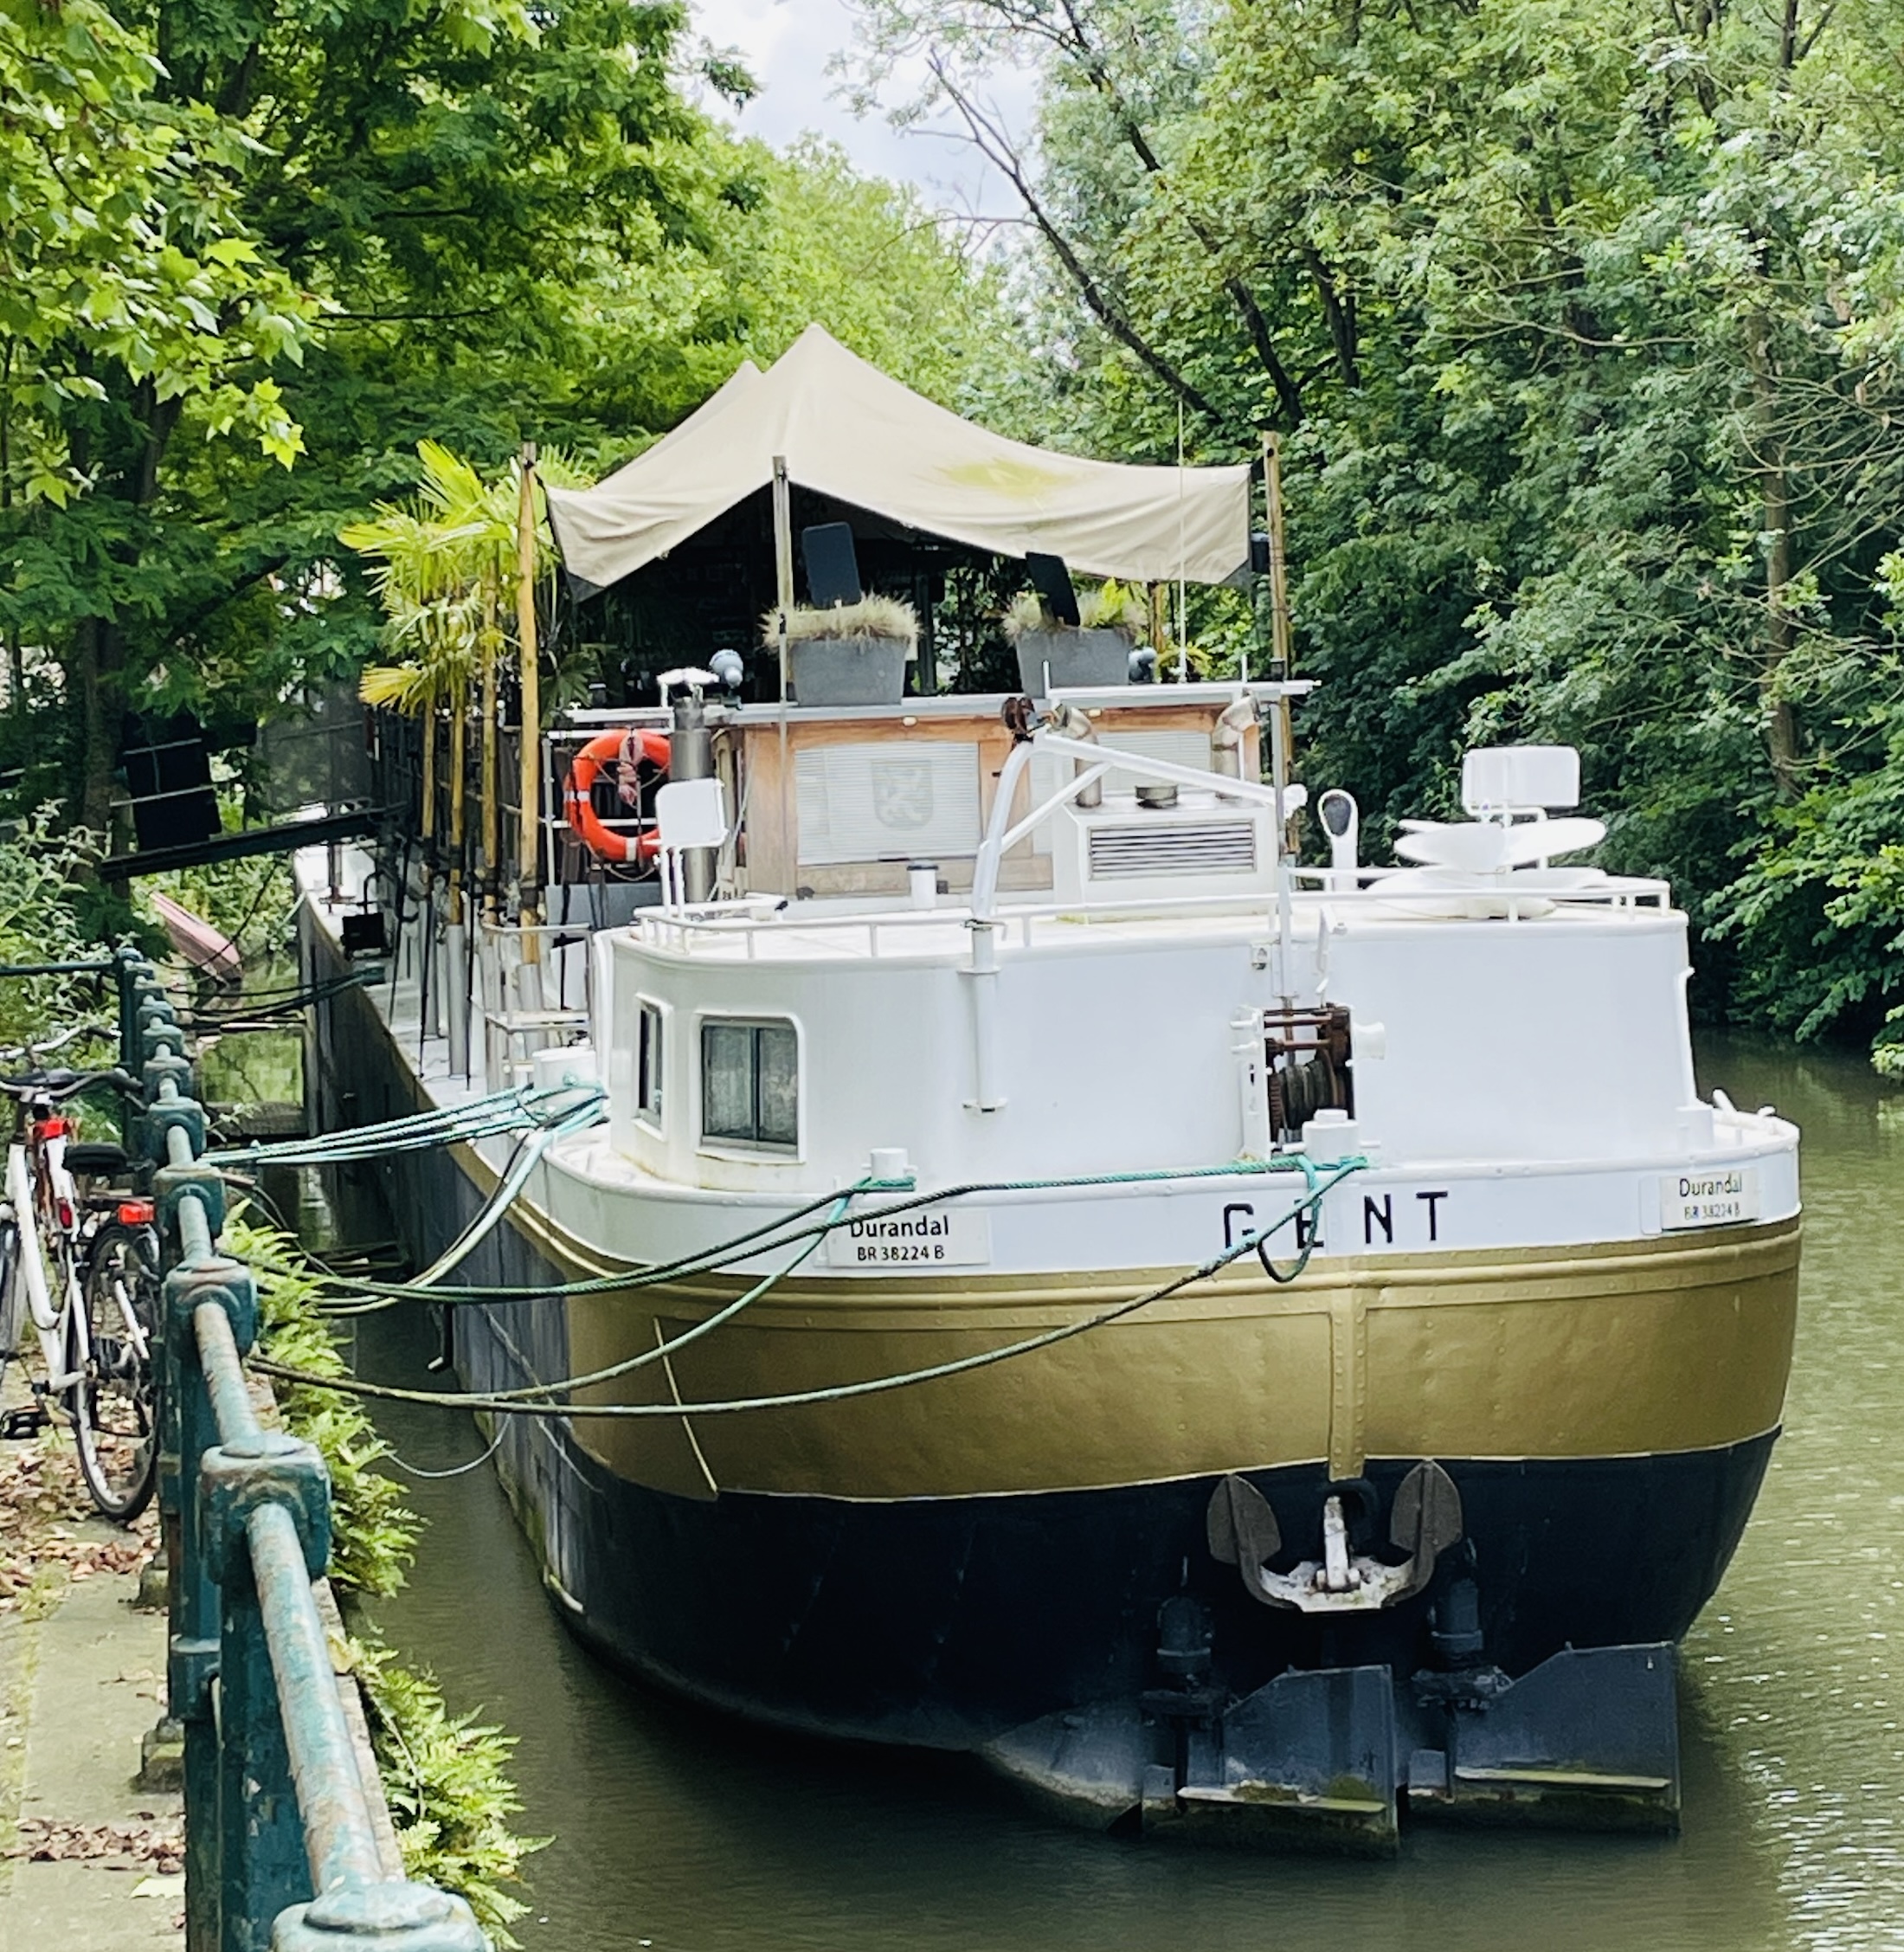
x: 686, y: 929
x: 1001, y: 834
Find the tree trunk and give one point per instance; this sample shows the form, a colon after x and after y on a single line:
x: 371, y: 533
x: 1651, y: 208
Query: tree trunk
x: 93, y: 674
x: 96, y: 663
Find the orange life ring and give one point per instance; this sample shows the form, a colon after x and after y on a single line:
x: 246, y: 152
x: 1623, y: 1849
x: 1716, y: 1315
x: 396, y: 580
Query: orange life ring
x: 622, y: 750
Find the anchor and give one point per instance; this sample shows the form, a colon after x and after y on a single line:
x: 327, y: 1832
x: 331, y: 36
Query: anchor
x: 1424, y: 1522
x: 1322, y: 1758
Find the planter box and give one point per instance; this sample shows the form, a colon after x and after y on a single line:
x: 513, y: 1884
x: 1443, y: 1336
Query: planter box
x: 1073, y: 657
x: 848, y: 670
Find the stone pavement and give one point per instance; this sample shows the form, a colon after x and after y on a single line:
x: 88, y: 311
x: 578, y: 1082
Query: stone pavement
x: 86, y: 1859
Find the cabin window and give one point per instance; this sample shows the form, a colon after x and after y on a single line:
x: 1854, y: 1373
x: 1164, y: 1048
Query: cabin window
x: 647, y: 1063
x: 750, y: 1084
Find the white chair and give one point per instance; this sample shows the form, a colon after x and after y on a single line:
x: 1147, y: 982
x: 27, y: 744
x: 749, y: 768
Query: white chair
x: 688, y: 814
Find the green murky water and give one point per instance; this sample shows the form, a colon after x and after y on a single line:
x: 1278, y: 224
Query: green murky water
x: 676, y: 1830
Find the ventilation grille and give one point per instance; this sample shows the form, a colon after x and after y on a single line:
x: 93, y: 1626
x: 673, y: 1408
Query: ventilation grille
x: 1181, y: 847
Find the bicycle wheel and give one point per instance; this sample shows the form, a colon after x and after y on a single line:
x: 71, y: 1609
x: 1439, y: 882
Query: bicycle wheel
x: 13, y: 1296
x: 115, y: 1403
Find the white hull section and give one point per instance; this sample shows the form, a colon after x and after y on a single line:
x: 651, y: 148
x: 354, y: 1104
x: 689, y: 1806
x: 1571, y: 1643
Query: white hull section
x: 593, y: 1196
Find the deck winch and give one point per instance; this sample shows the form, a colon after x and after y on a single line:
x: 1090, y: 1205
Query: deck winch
x: 1306, y: 1067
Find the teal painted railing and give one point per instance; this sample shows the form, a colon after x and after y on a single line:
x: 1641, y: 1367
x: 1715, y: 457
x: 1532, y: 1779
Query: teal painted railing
x: 281, y: 1852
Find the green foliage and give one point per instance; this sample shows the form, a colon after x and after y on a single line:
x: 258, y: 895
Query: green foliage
x: 446, y: 1776
x: 327, y: 232
x: 445, y: 570
x: 1581, y: 323
x: 126, y: 262
x: 375, y: 1535
x: 815, y: 242
x: 42, y: 920
x: 251, y: 900
x: 1109, y: 606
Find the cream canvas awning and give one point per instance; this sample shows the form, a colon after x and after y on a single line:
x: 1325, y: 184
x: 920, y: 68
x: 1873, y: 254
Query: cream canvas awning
x: 849, y: 432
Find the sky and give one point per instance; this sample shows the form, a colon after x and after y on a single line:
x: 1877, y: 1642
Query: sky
x: 785, y: 44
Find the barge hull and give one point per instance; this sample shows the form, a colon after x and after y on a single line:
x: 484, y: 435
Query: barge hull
x: 1025, y: 1625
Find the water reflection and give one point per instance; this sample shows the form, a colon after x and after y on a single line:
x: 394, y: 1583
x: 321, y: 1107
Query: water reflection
x: 679, y: 1829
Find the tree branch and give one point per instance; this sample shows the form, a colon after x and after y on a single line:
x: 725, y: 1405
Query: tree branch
x: 991, y: 143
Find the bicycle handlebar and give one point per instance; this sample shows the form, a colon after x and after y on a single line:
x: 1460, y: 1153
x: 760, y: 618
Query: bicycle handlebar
x: 56, y: 1087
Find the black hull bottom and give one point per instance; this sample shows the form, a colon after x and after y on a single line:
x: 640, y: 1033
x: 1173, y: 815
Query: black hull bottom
x: 988, y: 1623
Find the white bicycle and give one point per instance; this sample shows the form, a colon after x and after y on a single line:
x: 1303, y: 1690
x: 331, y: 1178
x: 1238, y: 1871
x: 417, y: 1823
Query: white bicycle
x: 79, y: 1261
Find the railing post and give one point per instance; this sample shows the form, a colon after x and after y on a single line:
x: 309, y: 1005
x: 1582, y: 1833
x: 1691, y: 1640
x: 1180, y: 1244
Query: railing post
x: 196, y: 1608
x: 263, y: 1866
x: 280, y: 1854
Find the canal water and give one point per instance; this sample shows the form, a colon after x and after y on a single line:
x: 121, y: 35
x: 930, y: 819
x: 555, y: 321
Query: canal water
x: 679, y: 1831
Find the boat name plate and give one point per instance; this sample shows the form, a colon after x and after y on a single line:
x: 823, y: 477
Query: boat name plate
x: 1716, y: 1197
x: 927, y: 1237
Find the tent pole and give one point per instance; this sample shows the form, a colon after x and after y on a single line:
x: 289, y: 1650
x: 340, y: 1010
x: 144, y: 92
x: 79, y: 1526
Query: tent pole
x: 783, y: 550
x: 783, y: 602
x: 491, y: 832
x: 1282, y: 648
x: 529, y: 842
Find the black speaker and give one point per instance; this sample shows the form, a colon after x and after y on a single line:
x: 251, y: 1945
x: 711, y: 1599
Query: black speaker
x: 1052, y: 580
x: 832, y: 567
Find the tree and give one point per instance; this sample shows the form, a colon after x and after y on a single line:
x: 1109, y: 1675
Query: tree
x: 414, y: 202
x: 1590, y: 315
x: 134, y: 300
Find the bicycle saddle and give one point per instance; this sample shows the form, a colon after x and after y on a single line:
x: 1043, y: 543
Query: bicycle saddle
x: 102, y: 1161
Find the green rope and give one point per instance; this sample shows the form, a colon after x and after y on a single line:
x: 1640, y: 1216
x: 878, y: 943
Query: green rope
x: 491, y: 1116
x: 774, y: 1233
x: 511, y: 1404
x: 660, y: 1353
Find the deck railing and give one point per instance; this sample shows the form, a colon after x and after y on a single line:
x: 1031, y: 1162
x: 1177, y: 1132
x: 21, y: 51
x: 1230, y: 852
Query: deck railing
x: 282, y: 1847
x: 760, y: 927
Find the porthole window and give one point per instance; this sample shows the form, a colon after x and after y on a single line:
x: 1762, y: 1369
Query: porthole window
x: 647, y: 1064
x: 750, y: 1083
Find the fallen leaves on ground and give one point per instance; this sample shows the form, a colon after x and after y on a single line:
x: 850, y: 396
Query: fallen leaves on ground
x: 46, y: 1519
x: 149, y: 1845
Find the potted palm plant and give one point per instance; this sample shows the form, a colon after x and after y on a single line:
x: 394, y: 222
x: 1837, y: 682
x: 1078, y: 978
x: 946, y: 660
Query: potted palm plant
x: 853, y: 653
x: 1095, y: 650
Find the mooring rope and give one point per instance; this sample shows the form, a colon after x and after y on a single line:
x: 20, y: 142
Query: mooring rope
x: 508, y: 1404
x: 493, y: 1116
x: 783, y: 1230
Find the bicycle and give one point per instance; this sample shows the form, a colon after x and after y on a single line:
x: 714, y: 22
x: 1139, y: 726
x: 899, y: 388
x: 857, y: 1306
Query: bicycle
x: 84, y: 1268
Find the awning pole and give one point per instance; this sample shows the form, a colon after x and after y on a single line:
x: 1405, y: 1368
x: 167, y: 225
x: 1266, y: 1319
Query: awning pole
x: 529, y: 842
x: 1281, y: 635
x: 783, y: 553
x: 783, y: 602
x: 1281, y: 731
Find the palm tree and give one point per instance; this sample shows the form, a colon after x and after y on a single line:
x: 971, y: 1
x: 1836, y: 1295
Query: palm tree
x: 444, y: 560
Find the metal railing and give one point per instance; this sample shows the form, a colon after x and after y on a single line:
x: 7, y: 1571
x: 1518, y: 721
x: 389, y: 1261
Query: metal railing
x: 534, y: 996
x: 282, y: 1847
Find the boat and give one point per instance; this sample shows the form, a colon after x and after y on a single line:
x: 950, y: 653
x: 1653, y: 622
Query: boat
x: 1244, y: 1347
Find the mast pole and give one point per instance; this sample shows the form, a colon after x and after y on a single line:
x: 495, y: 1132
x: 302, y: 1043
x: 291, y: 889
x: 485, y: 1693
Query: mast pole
x: 455, y: 936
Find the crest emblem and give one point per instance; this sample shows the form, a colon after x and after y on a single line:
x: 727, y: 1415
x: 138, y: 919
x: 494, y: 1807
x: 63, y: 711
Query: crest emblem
x: 902, y: 793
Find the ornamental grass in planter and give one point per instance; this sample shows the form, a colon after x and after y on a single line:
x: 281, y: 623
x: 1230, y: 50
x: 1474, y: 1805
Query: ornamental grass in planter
x: 854, y: 653
x: 1095, y: 650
